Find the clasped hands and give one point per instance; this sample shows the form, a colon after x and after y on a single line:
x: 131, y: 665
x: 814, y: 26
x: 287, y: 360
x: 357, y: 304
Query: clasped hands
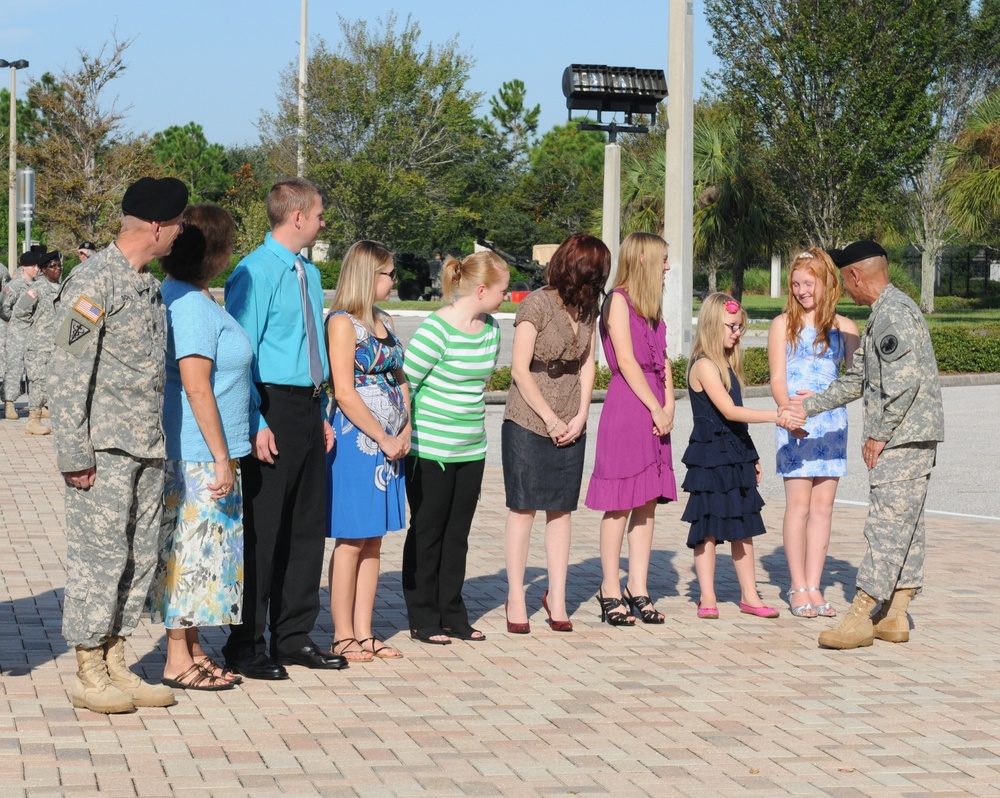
x: 563, y: 433
x: 791, y: 416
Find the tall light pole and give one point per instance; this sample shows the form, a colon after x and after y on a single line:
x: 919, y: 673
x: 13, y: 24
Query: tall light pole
x: 678, y: 204
x: 303, y: 74
x: 12, y: 178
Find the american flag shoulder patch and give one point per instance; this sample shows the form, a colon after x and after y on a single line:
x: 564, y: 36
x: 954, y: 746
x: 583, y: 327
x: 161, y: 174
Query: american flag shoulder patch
x: 88, y: 309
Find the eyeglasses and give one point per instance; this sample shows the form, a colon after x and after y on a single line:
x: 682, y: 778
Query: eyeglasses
x: 737, y: 329
x: 390, y: 274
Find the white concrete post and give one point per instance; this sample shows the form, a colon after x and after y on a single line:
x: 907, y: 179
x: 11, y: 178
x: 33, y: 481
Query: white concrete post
x: 678, y: 205
x: 776, y: 275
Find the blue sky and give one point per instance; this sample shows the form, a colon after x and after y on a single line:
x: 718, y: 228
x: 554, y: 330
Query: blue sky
x: 216, y: 62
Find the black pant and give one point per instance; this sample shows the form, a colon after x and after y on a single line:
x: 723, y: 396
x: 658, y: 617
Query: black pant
x: 442, y: 504
x: 284, y: 527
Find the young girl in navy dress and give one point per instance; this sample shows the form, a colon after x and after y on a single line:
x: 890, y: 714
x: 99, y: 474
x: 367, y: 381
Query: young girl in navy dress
x: 723, y: 468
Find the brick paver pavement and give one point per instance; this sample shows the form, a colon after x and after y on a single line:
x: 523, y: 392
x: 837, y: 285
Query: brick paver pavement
x: 740, y: 706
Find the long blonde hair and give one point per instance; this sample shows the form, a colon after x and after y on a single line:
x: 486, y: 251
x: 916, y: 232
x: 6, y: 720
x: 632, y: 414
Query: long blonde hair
x: 815, y: 261
x: 709, y: 339
x: 640, y: 274
x: 458, y: 278
x: 356, y: 284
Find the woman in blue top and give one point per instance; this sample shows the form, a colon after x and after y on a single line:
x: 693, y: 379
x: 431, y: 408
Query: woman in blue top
x: 805, y: 347
x: 208, y: 401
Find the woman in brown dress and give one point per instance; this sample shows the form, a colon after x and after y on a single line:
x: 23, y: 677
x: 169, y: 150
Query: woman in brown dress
x: 543, y: 437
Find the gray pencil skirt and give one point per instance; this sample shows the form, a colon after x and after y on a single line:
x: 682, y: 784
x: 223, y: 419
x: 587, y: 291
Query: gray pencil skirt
x: 537, y: 474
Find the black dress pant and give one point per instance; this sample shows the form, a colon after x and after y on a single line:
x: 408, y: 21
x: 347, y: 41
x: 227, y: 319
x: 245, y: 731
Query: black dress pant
x: 284, y: 528
x: 443, y: 499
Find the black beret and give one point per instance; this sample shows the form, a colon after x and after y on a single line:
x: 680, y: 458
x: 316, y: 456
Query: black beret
x: 29, y: 258
x: 49, y: 256
x: 853, y: 253
x: 155, y: 200
x: 88, y: 245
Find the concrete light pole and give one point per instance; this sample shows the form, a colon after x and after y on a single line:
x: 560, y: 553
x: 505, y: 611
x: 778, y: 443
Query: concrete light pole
x: 12, y: 178
x: 678, y: 204
x: 303, y: 76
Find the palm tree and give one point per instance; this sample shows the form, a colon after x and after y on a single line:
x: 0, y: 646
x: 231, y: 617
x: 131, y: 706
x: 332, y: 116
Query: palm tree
x: 730, y: 222
x: 642, y: 191
x: 972, y: 188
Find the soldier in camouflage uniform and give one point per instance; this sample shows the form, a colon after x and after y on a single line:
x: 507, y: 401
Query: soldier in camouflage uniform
x: 17, y: 329
x: 108, y: 374
x: 896, y: 372
x: 36, y: 309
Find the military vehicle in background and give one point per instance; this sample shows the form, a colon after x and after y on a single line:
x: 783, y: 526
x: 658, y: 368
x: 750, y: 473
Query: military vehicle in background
x: 533, y: 272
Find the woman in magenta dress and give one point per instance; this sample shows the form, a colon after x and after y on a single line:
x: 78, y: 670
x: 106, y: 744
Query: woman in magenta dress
x: 633, y: 471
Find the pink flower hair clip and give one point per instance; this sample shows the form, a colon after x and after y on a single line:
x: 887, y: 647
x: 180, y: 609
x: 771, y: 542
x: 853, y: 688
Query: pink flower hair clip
x: 732, y: 306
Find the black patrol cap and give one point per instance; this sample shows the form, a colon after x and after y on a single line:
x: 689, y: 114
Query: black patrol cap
x: 49, y: 257
x: 858, y: 251
x: 88, y: 245
x: 155, y: 200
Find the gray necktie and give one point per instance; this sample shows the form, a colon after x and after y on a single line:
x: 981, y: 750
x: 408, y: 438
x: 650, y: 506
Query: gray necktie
x: 312, y: 342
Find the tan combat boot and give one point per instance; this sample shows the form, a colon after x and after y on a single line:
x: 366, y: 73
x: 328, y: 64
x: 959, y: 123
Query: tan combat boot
x: 35, y: 425
x: 890, y: 621
x: 854, y: 629
x: 142, y: 693
x: 45, y: 413
x: 9, y: 411
x: 93, y: 689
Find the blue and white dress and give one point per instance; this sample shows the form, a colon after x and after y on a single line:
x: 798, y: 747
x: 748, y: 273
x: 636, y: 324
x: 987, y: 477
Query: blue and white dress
x: 823, y: 453
x: 366, y: 492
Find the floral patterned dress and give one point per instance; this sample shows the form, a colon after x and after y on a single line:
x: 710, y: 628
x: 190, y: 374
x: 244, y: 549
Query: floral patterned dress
x: 367, y: 494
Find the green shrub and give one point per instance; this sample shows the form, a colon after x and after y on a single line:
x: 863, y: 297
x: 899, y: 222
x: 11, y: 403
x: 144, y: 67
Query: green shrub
x: 756, y: 370
x: 329, y: 273
x: 967, y: 349
x: 948, y: 303
x: 499, y: 380
x: 900, y: 278
x: 603, y: 378
x: 757, y: 281
x: 678, y: 370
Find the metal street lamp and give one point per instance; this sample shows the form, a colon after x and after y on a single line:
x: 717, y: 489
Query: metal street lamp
x: 607, y: 89
x: 12, y: 181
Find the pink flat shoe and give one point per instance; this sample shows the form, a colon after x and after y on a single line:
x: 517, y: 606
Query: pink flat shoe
x: 760, y: 612
x: 708, y: 613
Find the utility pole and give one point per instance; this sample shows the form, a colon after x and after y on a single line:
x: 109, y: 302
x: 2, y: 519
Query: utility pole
x: 678, y: 204
x: 303, y: 76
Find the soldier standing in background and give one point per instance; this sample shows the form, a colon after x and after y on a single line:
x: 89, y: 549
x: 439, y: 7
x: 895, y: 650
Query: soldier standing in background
x: 896, y: 372
x: 35, y: 308
x: 108, y: 373
x: 4, y: 279
x: 85, y: 250
x: 17, y: 330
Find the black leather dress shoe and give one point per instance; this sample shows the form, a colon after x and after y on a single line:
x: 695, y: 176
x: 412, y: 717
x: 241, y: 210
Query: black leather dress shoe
x: 258, y: 666
x: 311, y: 657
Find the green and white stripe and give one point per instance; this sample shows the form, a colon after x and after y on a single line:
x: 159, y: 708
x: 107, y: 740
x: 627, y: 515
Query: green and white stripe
x: 447, y: 371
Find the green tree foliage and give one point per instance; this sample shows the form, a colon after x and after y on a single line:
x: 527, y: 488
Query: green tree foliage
x: 184, y: 153
x: 83, y: 156
x: 517, y: 124
x: 973, y: 186
x: 969, y: 65
x: 245, y: 200
x: 731, y: 222
x: 389, y: 122
x: 838, y: 91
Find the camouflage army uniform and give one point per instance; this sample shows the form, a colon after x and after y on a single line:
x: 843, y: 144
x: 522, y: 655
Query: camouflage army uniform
x: 17, y: 336
x: 36, y: 309
x: 4, y: 279
x: 107, y: 394
x: 896, y: 372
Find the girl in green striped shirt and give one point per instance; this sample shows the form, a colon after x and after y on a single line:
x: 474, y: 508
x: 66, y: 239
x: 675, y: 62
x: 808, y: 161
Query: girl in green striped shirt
x: 448, y: 361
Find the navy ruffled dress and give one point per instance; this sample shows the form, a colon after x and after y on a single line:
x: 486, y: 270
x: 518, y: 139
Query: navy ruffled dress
x: 724, y: 502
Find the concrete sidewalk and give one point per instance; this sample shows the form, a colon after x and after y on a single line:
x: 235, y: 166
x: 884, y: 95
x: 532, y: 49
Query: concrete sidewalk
x: 739, y: 706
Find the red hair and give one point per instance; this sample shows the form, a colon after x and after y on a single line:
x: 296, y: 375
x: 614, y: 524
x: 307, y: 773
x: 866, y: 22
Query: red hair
x: 578, y: 271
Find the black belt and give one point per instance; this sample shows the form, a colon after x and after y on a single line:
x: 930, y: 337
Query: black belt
x: 293, y: 390
x: 555, y: 368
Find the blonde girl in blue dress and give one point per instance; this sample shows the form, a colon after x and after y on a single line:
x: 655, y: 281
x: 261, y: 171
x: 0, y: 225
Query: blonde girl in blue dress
x: 805, y: 347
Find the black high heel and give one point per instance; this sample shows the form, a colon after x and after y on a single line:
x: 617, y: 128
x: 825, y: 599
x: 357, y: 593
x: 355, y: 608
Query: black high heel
x: 643, y: 607
x: 608, y: 607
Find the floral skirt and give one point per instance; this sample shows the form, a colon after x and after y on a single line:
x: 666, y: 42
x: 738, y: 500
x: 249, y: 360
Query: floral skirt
x: 199, y: 578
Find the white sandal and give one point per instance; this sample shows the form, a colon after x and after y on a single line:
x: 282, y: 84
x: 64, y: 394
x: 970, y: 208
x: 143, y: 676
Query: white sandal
x: 803, y: 610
